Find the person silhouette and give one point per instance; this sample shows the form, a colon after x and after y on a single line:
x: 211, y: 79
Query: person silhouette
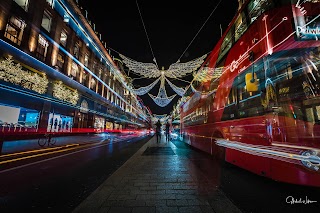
x: 158, y: 131
x: 167, y: 131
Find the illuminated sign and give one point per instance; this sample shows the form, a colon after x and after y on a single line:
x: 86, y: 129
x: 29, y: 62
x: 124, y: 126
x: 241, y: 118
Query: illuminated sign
x: 308, y: 28
x: 84, y: 107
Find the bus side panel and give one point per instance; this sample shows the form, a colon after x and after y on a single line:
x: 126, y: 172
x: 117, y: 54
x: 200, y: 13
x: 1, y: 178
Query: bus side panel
x: 256, y: 164
x: 292, y: 173
x: 198, y: 138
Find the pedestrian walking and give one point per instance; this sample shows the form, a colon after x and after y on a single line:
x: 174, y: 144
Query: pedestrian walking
x: 167, y: 131
x: 158, y: 131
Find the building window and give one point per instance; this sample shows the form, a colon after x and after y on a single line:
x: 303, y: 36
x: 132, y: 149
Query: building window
x: 42, y: 48
x: 84, y: 78
x: 256, y: 8
x: 14, y: 30
x: 74, y: 70
x: 76, y: 50
x: 50, y: 2
x: 23, y: 3
x: 46, y: 21
x: 100, y: 73
x: 60, y: 60
x: 63, y: 38
x: 94, y: 66
x: 93, y: 83
x: 86, y: 60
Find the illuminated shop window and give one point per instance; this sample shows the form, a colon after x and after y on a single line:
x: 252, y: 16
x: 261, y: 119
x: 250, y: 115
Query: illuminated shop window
x: 14, y: 30
x: 59, y: 123
x: 99, y: 122
x: 46, y: 21
x: 23, y: 3
x: 63, y: 38
x: 18, y: 119
x: 42, y: 48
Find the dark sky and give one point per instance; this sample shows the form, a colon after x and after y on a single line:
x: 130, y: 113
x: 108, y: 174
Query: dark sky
x: 170, y: 26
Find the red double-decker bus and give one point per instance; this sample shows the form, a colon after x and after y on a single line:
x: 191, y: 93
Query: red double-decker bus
x: 262, y: 112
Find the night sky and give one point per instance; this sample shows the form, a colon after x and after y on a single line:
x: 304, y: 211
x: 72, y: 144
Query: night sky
x: 173, y: 29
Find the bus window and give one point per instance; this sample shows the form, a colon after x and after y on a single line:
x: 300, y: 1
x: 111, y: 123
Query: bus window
x: 249, y: 97
x: 258, y: 7
x: 240, y: 26
x: 226, y: 44
x: 230, y: 109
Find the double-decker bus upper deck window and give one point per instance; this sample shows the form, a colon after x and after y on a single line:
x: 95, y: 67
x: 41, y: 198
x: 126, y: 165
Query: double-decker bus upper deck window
x: 240, y: 26
x: 257, y: 7
x: 226, y: 44
x: 250, y: 102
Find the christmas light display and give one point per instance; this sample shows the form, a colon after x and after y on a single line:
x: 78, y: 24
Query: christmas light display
x: 62, y: 92
x: 13, y: 72
x: 206, y: 74
x: 146, y: 89
x: 150, y: 70
x: 162, y: 99
x: 178, y: 90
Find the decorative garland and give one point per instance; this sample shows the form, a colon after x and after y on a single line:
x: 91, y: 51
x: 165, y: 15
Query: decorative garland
x: 62, y: 92
x: 12, y: 72
x: 178, y: 90
x: 146, y: 89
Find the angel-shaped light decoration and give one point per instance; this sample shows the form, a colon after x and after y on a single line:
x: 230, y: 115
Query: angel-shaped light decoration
x: 150, y: 70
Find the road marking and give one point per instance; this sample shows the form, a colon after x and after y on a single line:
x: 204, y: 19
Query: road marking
x: 56, y: 157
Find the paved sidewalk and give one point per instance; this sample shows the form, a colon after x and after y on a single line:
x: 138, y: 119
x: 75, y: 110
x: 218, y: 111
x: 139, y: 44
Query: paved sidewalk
x: 155, y: 179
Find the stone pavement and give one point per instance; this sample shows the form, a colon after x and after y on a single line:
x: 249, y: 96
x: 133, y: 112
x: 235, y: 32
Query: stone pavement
x: 155, y: 179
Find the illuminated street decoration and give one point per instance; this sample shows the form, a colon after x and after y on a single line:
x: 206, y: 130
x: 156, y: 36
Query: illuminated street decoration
x: 150, y: 70
x: 62, y: 92
x: 178, y: 90
x: 206, y: 74
x: 146, y: 89
x: 12, y: 72
x: 162, y: 99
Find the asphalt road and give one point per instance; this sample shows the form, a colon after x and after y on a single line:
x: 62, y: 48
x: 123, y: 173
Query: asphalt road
x: 58, y: 182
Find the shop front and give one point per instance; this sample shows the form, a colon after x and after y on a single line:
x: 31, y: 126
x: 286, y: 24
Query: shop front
x: 59, y: 123
x: 99, y: 123
x: 18, y: 119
